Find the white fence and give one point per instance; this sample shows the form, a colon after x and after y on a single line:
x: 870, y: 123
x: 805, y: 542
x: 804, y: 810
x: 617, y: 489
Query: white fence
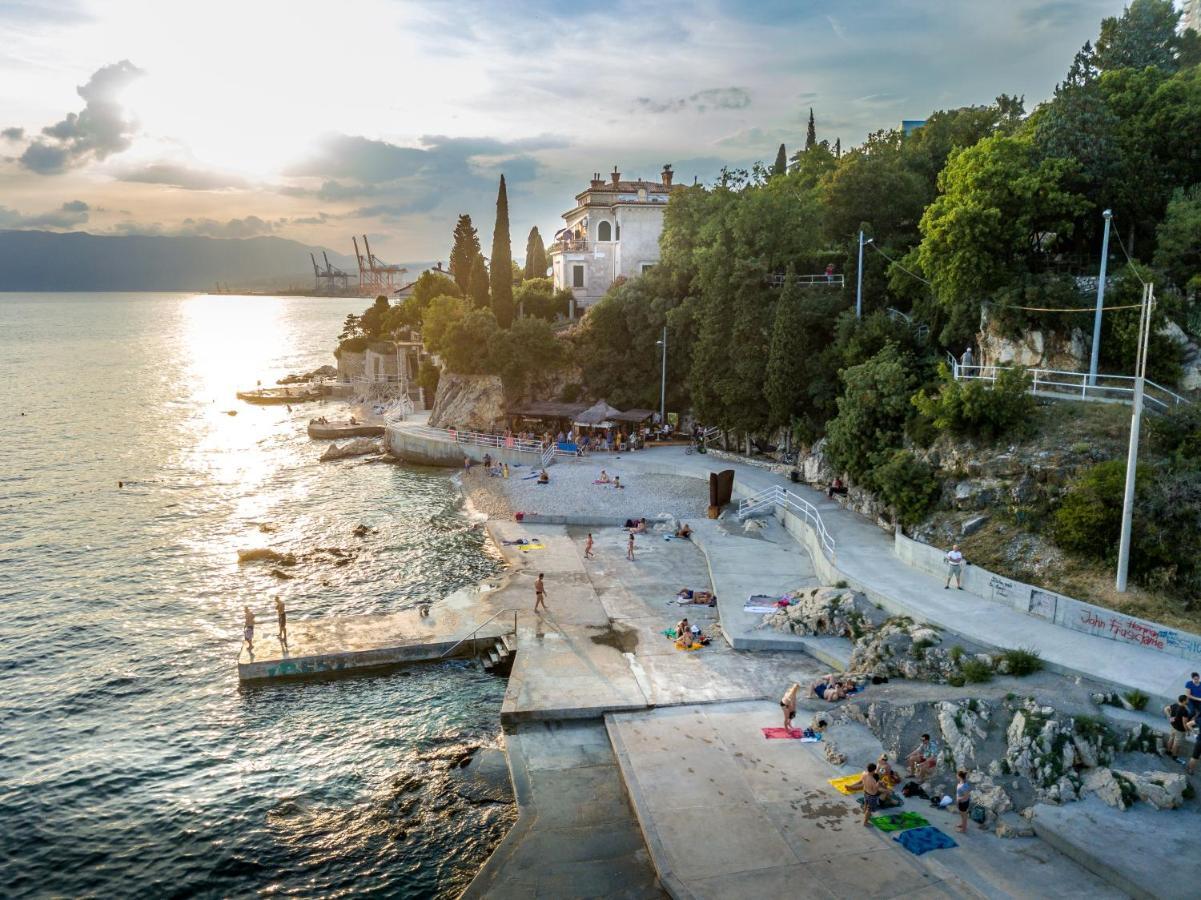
x: 780, y: 496
x: 482, y: 439
x: 832, y: 280
x: 1063, y: 385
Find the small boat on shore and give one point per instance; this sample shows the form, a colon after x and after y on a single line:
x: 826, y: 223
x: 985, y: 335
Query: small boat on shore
x: 323, y: 430
x: 279, y: 395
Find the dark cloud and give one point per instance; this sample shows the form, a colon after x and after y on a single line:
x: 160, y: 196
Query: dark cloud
x: 99, y: 130
x: 13, y: 134
x: 250, y: 226
x: 701, y: 101
x: 70, y: 214
x: 318, y: 219
x: 181, y: 176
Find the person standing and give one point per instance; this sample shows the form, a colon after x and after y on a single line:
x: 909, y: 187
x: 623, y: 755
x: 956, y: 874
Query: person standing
x: 1178, y: 718
x: 829, y: 273
x: 248, y: 631
x: 871, y: 792
x: 630, y: 548
x: 588, y: 547
x: 963, y: 799
x: 281, y: 616
x: 788, y: 702
x: 968, y: 359
x: 1192, y: 688
x: 540, y: 594
x: 1192, y: 763
x: 955, y: 564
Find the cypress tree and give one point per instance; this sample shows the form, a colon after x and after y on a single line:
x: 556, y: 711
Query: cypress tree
x: 535, y: 255
x: 784, y: 383
x: 502, y: 261
x: 781, y: 165
x: 463, y: 253
x: 477, y: 288
x: 838, y: 148
x: 811, y: 133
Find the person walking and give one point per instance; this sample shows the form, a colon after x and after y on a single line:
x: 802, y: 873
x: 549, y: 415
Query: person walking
x: 871, y: 793
x: 963, y: 800
x: 540, y: 594
x: 588, y: 547
x: 630, y: 548
x: 955, y: 564
x: 281, y: 616
x: 1178, y: 719
x: 968, y: 360
x: 248, y: 631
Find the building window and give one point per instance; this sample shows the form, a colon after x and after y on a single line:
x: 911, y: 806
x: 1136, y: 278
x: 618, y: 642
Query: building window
x: 646, y: 267
x: 577, y: 276
x: 604, y: 232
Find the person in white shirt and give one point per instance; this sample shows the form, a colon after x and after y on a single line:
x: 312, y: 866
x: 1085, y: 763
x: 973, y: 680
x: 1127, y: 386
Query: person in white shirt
x: 955, y: 564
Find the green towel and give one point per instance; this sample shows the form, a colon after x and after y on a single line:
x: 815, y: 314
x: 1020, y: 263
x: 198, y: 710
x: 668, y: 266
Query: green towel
x: 899, y: 821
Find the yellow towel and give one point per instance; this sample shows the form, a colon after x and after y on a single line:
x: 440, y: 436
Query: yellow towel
x: 843, y: 785
x: 525, y: 547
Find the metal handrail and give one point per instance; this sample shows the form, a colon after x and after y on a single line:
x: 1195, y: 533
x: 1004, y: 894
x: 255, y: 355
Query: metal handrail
x: 1060, y: 383
x: 779, y: 496
x: 777, y: 280
x: 471, y: 637
x: 709, y: 434
x: 482, y: 439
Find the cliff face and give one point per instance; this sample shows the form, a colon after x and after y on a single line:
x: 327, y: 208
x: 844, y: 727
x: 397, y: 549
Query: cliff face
x: 472, y: 402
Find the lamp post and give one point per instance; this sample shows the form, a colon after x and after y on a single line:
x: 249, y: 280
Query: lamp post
x: 663, y: 380
x: 1140, y: 374
x: 859, y: 280
x: 1092, y: 362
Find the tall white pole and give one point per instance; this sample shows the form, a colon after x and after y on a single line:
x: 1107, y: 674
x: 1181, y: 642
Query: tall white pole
x: 663, y: 383
x: 1140, y: 372
x: 1092, y: 362
x: 859, y: 281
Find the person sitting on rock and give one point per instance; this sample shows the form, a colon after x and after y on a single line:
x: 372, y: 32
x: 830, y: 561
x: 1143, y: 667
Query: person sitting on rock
x: 836, y: 487
x: 543, y: 478
x: 923, y: 759
x: 604, y: 478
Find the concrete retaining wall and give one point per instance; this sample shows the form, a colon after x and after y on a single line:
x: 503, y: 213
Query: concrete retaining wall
x: 425, y: 450
x: 1050, y: 606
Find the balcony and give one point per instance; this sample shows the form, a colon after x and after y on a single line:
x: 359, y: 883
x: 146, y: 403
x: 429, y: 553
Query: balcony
x: 571, y: 246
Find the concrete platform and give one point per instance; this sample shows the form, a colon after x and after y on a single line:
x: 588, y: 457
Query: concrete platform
x: 343, y: 644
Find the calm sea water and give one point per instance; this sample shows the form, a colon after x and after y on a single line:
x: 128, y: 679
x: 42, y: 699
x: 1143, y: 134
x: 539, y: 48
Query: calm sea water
x: 131, y: 764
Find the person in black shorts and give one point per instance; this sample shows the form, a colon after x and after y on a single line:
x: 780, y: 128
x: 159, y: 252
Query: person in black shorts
x: 1178, y: 718
x: 1192, y: 763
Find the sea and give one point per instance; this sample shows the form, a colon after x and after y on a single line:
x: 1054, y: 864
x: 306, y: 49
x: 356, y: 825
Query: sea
x: 131, y: 762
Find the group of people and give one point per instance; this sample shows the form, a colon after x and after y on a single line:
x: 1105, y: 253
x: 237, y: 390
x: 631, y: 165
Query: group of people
x: 832, y: 689
x: 493, y: 468
x: 689, y: 634
x: 1184, y: 719
x: 281, y: 616
x: 604, y: 478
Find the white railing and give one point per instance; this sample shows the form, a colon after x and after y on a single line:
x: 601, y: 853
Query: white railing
x: 1063, y: 385
x: 709, y: 434
x: 777, y: 280
x: 483, y: 439
x: 548, y: 453
x: 780, y: 496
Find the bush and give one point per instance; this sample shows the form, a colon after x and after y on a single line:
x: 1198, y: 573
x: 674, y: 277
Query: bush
x: 1178, y: 433
x: 1022, y: 662
x: 979, y: 408
x: 957, y: 680
x: 975, y: 671
x: 956, y: 653
x: 1137, y: 699
x: 906, y: 484
x: 871, y: 412
x: 1089, y: 518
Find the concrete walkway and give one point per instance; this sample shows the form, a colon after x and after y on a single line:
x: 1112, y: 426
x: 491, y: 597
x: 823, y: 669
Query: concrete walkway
x: 865, y: 558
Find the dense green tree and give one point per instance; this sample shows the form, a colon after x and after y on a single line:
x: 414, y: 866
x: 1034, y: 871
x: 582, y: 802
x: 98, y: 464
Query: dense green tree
x: 811, y: 166
x: 372, y: 322
x: 502, y: 261
x: 429, y: 285
x: 1178, y: 240
x: 352, y: 327
x: 478, y: 284
x: 1144, y: 36
x: 927, y: 149
x: 441, y: 313
x: 781, y: 164
x: 466, y: 341
x: 535, y: 255
x: 538, y: 298
x: 464, y: 252
x: 523, y: 351
x: 783, y: 385
x: 811, y: 132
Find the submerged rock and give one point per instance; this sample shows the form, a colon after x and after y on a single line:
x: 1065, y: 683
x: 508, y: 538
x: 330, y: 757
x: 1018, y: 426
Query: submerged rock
x: 356, y: 447
x: 266, y: 554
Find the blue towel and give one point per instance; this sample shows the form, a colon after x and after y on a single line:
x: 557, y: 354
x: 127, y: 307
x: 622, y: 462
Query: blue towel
x: 922, y: 840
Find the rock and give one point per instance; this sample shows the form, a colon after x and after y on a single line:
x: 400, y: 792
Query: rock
x: 974, y: 524
x: 355, y: 447
x: 1102, y: 783
x: 1173, y: 333
x: 1163, y: 790
x: 470, y: 402
x: 362, y: 530
x: 833, y: 755
x: 1084, y: 752
x: 1013, y: 825
x: 261, y: 554
x: 281, y: 574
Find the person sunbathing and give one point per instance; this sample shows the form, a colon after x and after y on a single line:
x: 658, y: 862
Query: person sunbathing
x: 604, y: 478
x: 639, y: 527
x: 888, y: 778
x: 617, y: 481
x: 543, y: 478
x: 682, y: 628
x: 684, y: 531
x: 829, y: 690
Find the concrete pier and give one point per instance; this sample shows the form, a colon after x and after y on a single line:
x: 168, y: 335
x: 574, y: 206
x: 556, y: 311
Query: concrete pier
x: 332, y: 645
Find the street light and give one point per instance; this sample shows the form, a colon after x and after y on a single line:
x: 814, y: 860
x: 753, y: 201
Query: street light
x: 663, y: 380
x: 859, y: 283
x: 1092, y: 362
x: 1140, y: 374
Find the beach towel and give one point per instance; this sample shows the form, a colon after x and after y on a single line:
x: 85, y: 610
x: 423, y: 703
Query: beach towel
x: 760, y: 603
x: 526, y: 547
x: 794, y: 734
x: 843, y: 785
x: 529, y: 477
x: 901, y: 821
x: 680, y: 646
x: 922, y: 840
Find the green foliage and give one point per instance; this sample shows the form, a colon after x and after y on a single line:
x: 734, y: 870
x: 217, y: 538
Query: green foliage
x: 1092, y: 728
x: 465, y: 341
x: 1177, y: 433
x: 478, y: 284
x: 980, y: 409
x: 908, y: 485
x: 428, y: 376
x: 439, y: 316
x: 975, y: 671
x: 535, y: 256
x: 1119, y: 332
x: 1022, y: 662
x: 372, y: 321
x: 502, y: 261
x: 1178, y: 240
x: 527, y: 348
x: 871, y: 412
x: 1136, y: 698
x: 537, y: 297
x: 956, y: 653
x: 956, y: 680
x: 1143, y: 37
x: 351, y: 327
x: 780, y: 167
x: 409, y: 313
x: 1089, y: 517
x: 464, y: 252
x: 811, y: 133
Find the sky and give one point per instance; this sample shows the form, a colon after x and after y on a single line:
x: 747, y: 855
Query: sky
x: 319, y: 121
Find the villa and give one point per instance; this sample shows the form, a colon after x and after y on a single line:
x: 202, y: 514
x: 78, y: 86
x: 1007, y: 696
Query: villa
x: 613, y: 230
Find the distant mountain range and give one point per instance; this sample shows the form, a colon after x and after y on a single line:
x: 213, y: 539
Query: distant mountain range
x: 77, y: 261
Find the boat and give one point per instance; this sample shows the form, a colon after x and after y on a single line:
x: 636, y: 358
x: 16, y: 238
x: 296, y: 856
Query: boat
x: 324, y: 431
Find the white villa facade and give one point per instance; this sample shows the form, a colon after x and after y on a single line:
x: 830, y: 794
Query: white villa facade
x: 613, y: 230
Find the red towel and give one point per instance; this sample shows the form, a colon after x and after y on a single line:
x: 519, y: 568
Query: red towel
x: 782, y: 733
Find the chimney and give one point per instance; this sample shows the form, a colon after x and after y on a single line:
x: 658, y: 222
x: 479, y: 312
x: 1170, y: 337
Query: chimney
x: 597, y: 181
x: 667, y: 175
x: 615, y: 175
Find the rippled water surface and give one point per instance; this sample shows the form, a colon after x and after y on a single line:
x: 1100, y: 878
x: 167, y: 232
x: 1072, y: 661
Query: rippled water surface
x: 131, y: 764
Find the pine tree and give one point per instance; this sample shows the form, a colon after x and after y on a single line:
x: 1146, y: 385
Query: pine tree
x: 784, y: 384
x: 477, y: 288
x: 535, y: 255
x: 811, y: 133
x: 464, y: 252
x: 502, y: 261
x: 781, y: 165
x: 838, y: 148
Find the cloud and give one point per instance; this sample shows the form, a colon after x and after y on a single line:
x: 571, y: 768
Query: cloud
x: 99, y: 130
x: 181, y: 176
x: 701, y: 101
x: 25, y: 12
x: 250, y: 226
x: 70, y: 214
x: 1057, y: 13
x: 13, y: 134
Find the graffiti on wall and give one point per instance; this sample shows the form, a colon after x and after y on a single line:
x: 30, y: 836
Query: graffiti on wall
x: 1002, y: 589
x: 1131, y: 631
x: 1042, y: 604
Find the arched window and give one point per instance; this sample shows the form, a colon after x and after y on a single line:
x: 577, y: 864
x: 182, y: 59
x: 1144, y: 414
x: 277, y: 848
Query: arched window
x: 604, y: 232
